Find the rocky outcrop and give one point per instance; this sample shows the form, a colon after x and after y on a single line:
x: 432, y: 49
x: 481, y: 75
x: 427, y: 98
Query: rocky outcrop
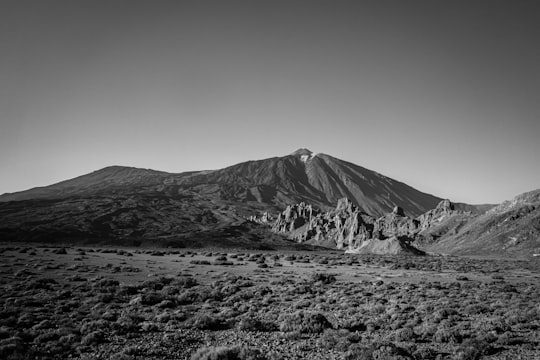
x: 443, y: 210
x: 336, y: 229
x: 390, y: 246
x: 347, y: 227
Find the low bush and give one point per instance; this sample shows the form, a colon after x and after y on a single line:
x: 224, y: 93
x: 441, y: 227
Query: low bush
x: 304, y: 322
x: 95, y: 337
x: 250, y: 323
x: 204, y: 321
x: 404, y: 334
x: 378, y: 351
x: 228, y: 353
x: 339, y: 340
x: 472, y: 349
x: 200, y: 262
x: 323, y: 278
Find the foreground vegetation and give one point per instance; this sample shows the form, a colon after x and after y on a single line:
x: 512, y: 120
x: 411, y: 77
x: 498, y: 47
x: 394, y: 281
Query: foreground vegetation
x: 72, y: 303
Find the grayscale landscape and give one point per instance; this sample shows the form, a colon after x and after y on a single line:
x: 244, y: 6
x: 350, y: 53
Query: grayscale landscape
x: 128, y: 263
x: 152, y: 206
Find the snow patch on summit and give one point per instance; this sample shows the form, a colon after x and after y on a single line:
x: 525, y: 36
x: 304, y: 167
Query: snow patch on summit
x: 307, y: 157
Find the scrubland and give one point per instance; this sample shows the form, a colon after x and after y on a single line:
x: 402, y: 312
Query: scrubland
x: 124, y: 304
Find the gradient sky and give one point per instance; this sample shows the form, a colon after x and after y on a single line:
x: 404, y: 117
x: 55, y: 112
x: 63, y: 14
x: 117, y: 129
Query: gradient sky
x: 442, y: 95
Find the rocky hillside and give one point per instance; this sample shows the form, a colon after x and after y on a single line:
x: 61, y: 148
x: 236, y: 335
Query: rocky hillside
x: 512, y: 228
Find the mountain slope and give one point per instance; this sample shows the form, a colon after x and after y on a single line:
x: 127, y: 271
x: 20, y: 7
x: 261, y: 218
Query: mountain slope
x: 513, y: 227
x: 109, y: 180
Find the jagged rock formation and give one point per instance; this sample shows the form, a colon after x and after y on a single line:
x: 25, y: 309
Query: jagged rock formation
x: 347, y: 227
x: 335, y: 229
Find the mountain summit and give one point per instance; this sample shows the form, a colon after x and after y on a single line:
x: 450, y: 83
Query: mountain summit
x: 301, y: 152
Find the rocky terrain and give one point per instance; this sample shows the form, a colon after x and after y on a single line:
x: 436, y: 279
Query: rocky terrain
x: 347, y: 227
x: 512, y: 227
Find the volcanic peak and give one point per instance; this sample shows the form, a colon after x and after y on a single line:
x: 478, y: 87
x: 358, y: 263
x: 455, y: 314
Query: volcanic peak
x: 301, y: 152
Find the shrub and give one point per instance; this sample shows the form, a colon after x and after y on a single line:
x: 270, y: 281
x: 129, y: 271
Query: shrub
x: 378, y: 351
x: 425, y: 353
x: 223, y: 263
x: 200, y: 262
x: 404, y: 334
x: 228, y: 353
x: 354, y: 324
x: 92, y: 326
x: 249, y: 323
x: 127, y: 323
x: 446, y: 335
x: 472, y: 349
x: 206, y: 322
x: 507, y: 338
x: 10, y: 346
x: 339, y: 340
x: 323, y: 278
x: 304, y: 322
x: 95, y: 337
x: 476, y: 309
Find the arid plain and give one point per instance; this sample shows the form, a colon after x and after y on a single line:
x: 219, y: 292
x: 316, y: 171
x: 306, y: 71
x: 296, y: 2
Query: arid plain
x: 136, y: 303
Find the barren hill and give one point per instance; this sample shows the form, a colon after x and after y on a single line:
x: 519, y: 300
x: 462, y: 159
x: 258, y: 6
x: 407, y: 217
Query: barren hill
x: 513, y: 227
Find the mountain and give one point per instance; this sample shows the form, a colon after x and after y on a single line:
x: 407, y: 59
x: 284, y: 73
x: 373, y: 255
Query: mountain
x: 318, y: 179
x: 130, y: 205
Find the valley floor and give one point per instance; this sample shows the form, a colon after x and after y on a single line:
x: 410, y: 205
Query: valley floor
x: 130, y: 303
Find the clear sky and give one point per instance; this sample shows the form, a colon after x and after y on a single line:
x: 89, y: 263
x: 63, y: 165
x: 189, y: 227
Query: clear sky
x: 442, y: 95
